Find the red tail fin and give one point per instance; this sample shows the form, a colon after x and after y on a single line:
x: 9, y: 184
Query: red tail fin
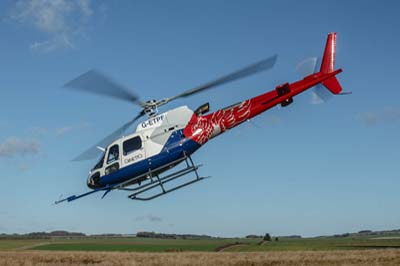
x: 328, y: 64
x: 328, y: 61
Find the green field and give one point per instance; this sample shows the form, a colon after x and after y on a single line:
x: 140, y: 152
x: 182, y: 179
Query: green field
x: 226, y: 244
x: 139, y: 244
x: 120, y: 244
x: 319, y: 244
x: 16, y: 244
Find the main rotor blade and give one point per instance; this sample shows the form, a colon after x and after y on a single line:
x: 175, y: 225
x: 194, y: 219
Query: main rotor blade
x: 97, y: 83
x: 94, y: 152
x: 241, y: 73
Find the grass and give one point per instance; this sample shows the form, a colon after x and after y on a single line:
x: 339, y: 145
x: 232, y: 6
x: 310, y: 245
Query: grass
x: 165, y: 245
x: 359, y: 251
x: 6, y: 244
x: 388, y: 257
x: 142, y: 245
x: 319, y: 244
x: 120, y: 244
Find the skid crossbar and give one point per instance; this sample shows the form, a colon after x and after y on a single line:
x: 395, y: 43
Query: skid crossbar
x: 157, y: 181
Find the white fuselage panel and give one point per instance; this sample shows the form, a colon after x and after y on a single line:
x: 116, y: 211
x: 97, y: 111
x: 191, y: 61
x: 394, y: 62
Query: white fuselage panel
x: 154, y: 133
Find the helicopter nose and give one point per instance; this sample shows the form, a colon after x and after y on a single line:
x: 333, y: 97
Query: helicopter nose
x: 93, y: 180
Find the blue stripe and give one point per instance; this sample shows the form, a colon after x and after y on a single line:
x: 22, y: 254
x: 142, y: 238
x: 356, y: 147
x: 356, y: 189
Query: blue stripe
x: 173, y: 150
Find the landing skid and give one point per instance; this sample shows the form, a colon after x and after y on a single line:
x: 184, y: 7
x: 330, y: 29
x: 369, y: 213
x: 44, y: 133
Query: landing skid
x: 149, y: 181
x: 155, y: 181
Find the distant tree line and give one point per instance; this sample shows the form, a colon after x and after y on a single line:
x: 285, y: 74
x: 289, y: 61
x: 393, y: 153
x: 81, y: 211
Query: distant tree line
x: 265, y: 237
x: 370, y: 233
x: 43, y: 235
x: 171, y: 236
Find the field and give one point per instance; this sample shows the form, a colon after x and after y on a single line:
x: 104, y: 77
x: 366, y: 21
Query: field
x: 134, y: 244
x: 232, y: 251
x: 390, y: 257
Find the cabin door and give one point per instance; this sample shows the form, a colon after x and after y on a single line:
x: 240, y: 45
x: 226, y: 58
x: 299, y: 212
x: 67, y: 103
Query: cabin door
x: 133, y: 150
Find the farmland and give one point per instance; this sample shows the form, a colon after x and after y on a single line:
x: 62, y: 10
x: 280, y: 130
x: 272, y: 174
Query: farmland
x: 214, y: 251
x: 390, y: 257
x: 136, y: 244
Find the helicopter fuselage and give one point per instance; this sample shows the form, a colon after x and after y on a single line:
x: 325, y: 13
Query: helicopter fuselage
x: 169, y: 136
x: 134, y: 162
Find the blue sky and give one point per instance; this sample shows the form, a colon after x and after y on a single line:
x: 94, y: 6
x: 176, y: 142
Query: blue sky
x: 306, y: 169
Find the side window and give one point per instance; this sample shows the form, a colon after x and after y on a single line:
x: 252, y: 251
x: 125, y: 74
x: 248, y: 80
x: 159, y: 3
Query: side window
x: 112, y: 168
x: 113, y: 154
x: 132, y: 144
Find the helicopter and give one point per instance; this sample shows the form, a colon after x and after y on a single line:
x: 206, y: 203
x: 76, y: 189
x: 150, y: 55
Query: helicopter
x: 144, y: 161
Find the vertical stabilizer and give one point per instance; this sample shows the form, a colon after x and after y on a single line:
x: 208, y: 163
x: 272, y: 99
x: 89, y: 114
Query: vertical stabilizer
x: 328, y: 64
x: 328, y: 60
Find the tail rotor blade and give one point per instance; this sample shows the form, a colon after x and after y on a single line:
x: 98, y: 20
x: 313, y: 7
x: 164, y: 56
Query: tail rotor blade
x: 307, y: 66
x: 320, y: 95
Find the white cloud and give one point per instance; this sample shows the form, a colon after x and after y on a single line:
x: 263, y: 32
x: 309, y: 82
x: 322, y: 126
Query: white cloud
x: 51, y: 45
x: 63, y: 130
x: 388, y: 114
x: 150, y: 218
x: 85, y: 7
x: 62, y: 21
x: 15, y: 146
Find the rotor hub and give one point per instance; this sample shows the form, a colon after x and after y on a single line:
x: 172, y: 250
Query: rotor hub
x: 150, y: 108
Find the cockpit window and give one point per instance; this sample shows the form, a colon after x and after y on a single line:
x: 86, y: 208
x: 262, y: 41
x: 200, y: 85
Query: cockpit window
x: 132, y: 144
x: 100, y: 163
x: 113, y: 154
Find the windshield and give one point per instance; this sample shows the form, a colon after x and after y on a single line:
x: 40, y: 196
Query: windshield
x: 100, y: 163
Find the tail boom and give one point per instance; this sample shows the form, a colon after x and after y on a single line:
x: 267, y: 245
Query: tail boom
x: 202, y: 128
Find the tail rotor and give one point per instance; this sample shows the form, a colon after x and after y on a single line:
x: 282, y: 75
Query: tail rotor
x: 308, y: 66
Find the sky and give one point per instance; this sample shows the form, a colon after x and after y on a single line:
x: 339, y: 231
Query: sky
x: 308, y: 169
